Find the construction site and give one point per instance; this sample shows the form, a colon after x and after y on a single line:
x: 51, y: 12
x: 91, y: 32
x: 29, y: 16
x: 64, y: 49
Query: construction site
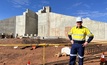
x: 36, y: 38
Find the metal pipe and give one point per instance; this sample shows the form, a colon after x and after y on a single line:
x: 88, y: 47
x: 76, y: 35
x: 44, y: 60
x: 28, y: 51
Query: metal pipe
x: 44, y: 55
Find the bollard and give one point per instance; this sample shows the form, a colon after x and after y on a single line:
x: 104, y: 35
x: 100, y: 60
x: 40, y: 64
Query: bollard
x: 28, y: 63
x: 102, y: 59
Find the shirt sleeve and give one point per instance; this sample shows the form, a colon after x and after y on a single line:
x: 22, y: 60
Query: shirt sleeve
x: 88, y: 33
x: 70, y: 32
x: 70, y: 37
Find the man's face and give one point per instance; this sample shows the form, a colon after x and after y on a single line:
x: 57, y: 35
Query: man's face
x: 79, y: 23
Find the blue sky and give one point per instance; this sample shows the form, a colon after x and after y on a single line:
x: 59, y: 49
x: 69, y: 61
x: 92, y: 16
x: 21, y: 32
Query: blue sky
x: 93, y: 9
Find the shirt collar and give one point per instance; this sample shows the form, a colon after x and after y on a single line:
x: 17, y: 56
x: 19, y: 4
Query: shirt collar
x: 80, y: 27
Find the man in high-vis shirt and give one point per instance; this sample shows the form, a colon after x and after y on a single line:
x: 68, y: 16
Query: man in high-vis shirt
x: 77, y: 37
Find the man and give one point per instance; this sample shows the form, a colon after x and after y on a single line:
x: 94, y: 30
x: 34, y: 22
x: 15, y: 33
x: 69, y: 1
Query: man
x: 77, y: 37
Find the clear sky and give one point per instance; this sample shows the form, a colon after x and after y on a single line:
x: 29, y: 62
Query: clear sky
x: 93, y: 9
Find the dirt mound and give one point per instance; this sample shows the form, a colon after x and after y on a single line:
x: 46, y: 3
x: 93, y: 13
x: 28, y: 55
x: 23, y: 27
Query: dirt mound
x: 19, y: 56
x: 27, y: 41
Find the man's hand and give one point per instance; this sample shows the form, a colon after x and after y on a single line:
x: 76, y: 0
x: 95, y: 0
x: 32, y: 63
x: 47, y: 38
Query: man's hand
x: 72, y: 41
x: 85, y: 44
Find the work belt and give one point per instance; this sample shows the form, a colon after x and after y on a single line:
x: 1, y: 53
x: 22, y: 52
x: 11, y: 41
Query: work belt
x: 79, y: 42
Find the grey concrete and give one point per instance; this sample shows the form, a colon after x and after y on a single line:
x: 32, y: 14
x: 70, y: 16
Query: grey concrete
x: 20, y: 25
x: 7, y: 26
x: 61, y: 24
x: 27, y: 23
x: 31, y: 22
x: 105, y: 31
x: 45, y: 23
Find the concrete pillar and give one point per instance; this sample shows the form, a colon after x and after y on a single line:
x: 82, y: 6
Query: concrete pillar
x: 47, y: 9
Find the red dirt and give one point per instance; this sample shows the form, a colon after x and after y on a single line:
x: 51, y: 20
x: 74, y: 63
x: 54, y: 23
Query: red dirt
x: 19, y: 56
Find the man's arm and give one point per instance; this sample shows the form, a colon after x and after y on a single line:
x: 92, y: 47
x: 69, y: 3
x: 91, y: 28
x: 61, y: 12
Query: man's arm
x: 70, y: 37
x: 90, y: 35
x: 90, y: 39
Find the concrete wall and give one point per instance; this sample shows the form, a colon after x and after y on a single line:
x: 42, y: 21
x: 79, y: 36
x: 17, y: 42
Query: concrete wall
x: 61, y: 24
x: 47, y: 23
x: 31, y: 22
x: 53, y: 24
x: 43, y: 25
x: 20, y: 25
x: 97, y: 28
x: 105, y: 31
x: 27, y: 23
x: 7, y: 26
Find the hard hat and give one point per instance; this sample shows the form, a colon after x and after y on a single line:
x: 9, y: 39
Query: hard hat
x: 78, y: 19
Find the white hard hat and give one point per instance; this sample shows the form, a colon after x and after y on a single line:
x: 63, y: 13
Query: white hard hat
x: 65, y: 50
x: 78, y: 19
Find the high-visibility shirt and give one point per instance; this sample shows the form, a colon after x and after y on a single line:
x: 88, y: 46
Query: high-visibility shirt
x: 80, y: 34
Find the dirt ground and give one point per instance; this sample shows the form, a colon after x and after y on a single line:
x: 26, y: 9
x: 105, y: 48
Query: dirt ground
x: 21, y: 55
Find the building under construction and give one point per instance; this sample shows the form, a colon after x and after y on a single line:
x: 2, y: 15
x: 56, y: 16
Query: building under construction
x: 46, y: 23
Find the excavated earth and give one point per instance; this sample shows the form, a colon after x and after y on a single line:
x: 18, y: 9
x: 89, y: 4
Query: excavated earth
x: 21, y: 55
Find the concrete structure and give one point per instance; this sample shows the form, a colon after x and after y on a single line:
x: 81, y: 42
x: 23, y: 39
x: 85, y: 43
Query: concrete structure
x: 20, y: 25
x: 54, y: 24
x: 47, y: 23
x: 8, y: 25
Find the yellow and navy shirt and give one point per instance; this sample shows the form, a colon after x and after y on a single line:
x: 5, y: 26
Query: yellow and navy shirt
x: 79, y: 34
